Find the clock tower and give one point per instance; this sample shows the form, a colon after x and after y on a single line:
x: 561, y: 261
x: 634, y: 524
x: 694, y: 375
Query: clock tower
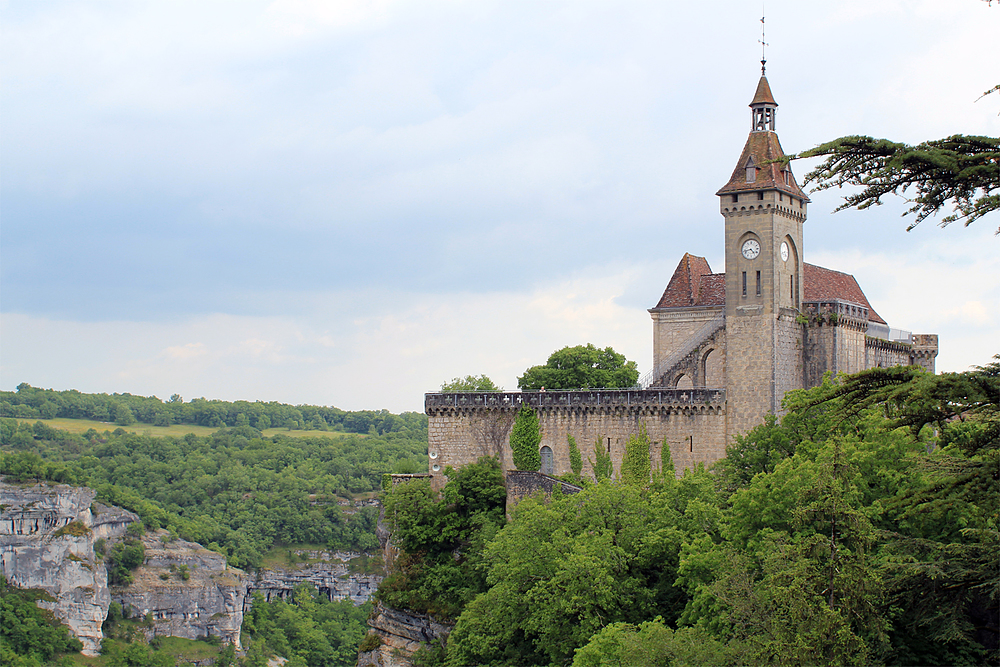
x: 764, y: 209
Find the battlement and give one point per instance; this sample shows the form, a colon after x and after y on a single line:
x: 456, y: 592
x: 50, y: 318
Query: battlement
x: 441, y: 402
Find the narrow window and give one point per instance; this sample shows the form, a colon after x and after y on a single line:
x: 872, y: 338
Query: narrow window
x: 744, y: 283
x: 609, y: 445
x: 736, y: 199
x: 760, y: 196
x: 791, y: 288
x: 758, y: 283
x: 788, y: 177
x: 751, y: 173
x: 690, y: 443
x: 781, y: 197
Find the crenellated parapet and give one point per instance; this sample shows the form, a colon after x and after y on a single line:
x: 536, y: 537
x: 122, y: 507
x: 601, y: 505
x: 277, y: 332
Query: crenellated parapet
x: 579, y: 399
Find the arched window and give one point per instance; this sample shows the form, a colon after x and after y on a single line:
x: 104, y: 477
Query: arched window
x: 548, y: 464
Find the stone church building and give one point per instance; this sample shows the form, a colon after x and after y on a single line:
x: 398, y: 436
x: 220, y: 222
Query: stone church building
x: 726, y: 346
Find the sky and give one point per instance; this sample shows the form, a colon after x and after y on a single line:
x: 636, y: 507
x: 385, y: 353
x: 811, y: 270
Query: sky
x: 349, y: 202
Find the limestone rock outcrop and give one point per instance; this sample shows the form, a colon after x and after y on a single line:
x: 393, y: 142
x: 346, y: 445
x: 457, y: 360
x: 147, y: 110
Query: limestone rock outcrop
x: 188, y: 590
x: 402, y: 632
x: 328, y: 571
x: 47, y: 535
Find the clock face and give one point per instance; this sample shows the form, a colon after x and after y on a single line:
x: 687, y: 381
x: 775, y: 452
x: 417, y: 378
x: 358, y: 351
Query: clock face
x: 784, y: 251
x: 751, y: 249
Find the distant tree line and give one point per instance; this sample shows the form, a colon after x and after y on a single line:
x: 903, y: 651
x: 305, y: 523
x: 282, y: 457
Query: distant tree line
x: 29, y: 402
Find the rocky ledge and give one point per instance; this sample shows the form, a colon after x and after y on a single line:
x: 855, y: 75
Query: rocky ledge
x: 328, y: 571
x: 401, y: 633
x: 188, y: 590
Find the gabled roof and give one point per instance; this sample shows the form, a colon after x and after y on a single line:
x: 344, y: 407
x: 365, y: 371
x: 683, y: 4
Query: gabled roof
x: 819, y: 284
x: 763, y: 94
x: 764, y: 149
x: 694, y: 284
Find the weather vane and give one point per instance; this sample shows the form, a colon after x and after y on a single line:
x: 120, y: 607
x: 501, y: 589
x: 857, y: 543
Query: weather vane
x: 763, y: 44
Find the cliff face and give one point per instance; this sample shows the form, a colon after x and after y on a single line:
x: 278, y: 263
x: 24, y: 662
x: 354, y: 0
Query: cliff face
x: 47, y: 535
x: 331, y: 577
x: 402, y: 633
x: 189, y: 591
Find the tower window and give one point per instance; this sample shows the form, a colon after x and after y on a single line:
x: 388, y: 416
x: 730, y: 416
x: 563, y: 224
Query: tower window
x: 758, y: 283
x: 744, y: 283
x: 788, y: 177
x: 760, y: 196
x: 791, y: 288
x: 781, y: 197
x: 736, y: 199
x: 751, y: 174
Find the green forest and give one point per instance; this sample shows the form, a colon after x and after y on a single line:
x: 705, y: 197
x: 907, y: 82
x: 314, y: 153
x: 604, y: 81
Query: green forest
x: 859, y: 529
x: 235, y: 491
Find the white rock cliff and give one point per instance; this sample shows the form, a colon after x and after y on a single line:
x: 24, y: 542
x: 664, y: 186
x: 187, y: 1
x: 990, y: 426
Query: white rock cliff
x: 47, y: 535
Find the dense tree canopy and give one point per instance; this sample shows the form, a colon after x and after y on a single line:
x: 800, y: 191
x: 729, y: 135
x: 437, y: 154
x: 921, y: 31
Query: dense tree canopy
x: 580, y: 367
x: 859, y: 529
x: 235, y: 491
x: 441, y: 538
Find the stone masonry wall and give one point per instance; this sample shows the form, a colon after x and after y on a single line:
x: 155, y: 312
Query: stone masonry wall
x: 695, y: 433
x: 750, y: 390
x: 788, y: 356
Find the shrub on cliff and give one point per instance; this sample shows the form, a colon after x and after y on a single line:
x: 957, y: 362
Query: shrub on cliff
x: 30, y: 635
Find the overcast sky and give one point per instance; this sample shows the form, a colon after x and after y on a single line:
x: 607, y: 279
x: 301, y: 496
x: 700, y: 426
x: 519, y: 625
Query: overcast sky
x: 348, y: 203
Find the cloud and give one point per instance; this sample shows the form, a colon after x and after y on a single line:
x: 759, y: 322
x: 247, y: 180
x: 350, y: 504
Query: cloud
x: 349, y: 202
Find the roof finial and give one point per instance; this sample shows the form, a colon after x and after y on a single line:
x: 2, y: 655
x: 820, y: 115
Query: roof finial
x: 763, y: 60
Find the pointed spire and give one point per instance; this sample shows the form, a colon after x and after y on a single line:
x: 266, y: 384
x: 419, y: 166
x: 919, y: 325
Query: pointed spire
x: 763, y: 109
x: 763, y: 94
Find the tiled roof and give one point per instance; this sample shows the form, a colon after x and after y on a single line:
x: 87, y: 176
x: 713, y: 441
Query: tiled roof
x: 764, y: 148
x: 819, y: 284
x: 713, y: 290
x: 763, y: 94
x: 694, y: 284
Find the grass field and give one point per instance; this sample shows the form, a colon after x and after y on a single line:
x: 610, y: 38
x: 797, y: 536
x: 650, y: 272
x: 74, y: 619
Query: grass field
x: 175, y: 430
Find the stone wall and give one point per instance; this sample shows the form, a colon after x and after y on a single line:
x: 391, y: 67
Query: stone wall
x: 788, y: 367
x: 523, y: 483
x: 750, y: 357
x: 692, y: 423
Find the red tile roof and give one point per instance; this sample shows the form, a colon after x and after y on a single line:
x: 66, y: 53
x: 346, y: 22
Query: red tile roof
x: 763, y: 94
x: 819, y: 284
x: 765, y: 149
x: 694, y: 284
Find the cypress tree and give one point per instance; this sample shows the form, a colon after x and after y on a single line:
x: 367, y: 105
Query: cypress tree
x: 575, y: 458
x: 635, y: 465
x: 525, y: 437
